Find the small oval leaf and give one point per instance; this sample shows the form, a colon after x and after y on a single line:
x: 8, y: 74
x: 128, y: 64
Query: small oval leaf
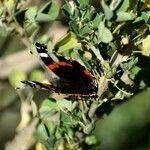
x: 104, y: 35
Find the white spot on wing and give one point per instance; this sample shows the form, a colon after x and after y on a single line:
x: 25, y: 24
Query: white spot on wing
x: 38, y: 47
x: 43, y: 55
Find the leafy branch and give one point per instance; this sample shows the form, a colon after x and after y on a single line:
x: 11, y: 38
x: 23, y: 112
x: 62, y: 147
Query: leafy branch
x: 105, y: 39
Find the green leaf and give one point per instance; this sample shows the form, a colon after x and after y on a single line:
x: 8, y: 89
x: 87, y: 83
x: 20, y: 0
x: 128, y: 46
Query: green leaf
x: 54, y: 10
x: 46, y: 112
x: 115, y: 3
x: 88, y: 128
x: 104, y: 35
x: 87, y: 15
x: 91, y: 140
x: 138, y: 19
x: 31, y: 13
x: 146, y: 16
x: 45, y: 16
x: 129, y: 64
x: 10, y: 5
x: 41, y: 132
x: 85, y: 30
x: 30, y: 24
x: 108, y: 71
x: 124, y: 6
x: 70, y: 133
x: 118, y: 96
x: 50, y: 103
x: 69, y: 8
x: 68, y: 42
x: 41, y: 17
x: 76, y: 14
x: 96, y: 21
x: 65, y: 104
x: 96, y: 52
x: 65, y: 39
x: 65, y: 118
x: 135, y: 70
x: 83, y: 3
x: 107, y: 11
x: 74, y: 27
x: 51, y: 127
x: 48, y: 109
x: 30, y: 27
x: 124, y: 16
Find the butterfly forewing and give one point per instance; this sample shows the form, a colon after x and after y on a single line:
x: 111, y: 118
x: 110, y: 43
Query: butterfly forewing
x: 67, y: 69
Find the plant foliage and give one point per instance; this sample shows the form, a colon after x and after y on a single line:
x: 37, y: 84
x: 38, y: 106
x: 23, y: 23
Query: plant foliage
x: 111, y: 38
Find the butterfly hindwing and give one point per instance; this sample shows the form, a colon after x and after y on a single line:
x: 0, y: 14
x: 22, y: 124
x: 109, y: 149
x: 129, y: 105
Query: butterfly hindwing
x: 62, y: 86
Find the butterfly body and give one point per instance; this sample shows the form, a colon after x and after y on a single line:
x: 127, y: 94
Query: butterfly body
x: 73, y: 78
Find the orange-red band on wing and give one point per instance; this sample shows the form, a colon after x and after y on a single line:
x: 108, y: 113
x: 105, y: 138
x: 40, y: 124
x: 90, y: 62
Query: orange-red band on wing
x: 57, y: 65
x: 87, y: 73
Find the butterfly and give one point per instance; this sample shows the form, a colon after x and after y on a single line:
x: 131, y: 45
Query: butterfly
x: 73, y: 78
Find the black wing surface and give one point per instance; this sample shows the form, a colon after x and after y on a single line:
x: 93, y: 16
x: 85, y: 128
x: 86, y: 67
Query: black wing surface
x: 68, y: 69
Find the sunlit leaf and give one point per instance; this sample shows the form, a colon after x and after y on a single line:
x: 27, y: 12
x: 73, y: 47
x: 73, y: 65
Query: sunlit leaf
x: 31, y: 13
x: 124, y: 16
x: 146, y: 46
x: 46, y: 112
x: 107, y: 11
x: 69, y: 8
x: 83, y: 3
x: 85, y: 30
x: 96, y: 21
x: 10, y: 5
x: 91, y: 140
x: 41, y: 132
x: 65, y: 104
x: 49, y: 103
x: 68, y: 42
x: 51, y: 14
x: 145, y: 16
x: 104, y: 34
x: 124, y: 6
x: 114, y: 4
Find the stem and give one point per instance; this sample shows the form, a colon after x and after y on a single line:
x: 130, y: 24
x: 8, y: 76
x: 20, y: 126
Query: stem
x: 119, y: 27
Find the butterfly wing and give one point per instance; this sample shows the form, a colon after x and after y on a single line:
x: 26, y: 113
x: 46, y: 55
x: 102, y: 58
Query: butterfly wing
x: 39, y: 85
x: 74, y: 79
x: 67, y: 69
x: 63, y: 87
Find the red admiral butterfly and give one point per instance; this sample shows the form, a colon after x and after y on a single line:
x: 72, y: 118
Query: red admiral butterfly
x: 73, y: 79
